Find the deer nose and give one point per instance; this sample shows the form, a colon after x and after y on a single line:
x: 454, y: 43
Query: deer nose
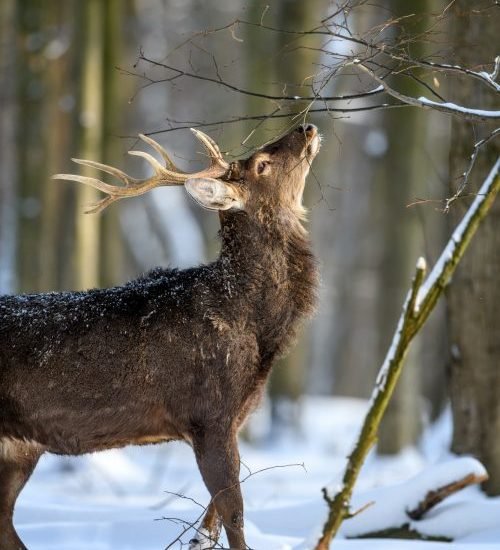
x: 306, y: 129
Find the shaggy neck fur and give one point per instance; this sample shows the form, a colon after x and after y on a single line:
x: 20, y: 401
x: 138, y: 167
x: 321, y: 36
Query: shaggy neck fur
x: 272, y: 267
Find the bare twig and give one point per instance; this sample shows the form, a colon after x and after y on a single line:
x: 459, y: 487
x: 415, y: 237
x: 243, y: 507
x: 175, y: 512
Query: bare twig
x: 465, y: 177
x: 188, y: 525
x: 486, y: 78
x: 220, y: 82
x: 187, y: 124
x: 476, y: 115
x: 369, y: 48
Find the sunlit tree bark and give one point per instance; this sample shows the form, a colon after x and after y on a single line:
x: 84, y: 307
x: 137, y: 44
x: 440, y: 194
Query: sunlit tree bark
x: 87, y: 242
x: 114, y: 118
x: 474, y: 296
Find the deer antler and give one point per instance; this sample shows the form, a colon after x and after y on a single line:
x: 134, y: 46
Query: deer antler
x: 163, y: 175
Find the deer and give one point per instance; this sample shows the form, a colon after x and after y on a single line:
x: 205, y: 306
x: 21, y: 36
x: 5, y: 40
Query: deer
x: 174, y: 354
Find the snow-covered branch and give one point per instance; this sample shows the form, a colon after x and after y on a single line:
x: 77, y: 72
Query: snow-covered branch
x: 490, y: 79
x: 454, y: 250
x: 476, y: 115
x: 421, y: 299
x: 403, y: 508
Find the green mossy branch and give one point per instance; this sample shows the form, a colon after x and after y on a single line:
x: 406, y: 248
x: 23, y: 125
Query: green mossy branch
x: 419, y: 303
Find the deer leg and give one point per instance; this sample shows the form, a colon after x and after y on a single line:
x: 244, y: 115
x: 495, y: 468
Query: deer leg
x: 208, y: 531
x: 219, y: 463
x: 17, y: 462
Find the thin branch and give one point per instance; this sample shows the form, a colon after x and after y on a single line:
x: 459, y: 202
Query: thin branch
x: 486, y: 78
x: 187, y: 124
x: 374, y: 43
x: 439, y: 277
x: 188, y: 525
x: 219, y: 81
x: 466, y: 174
x: 476, y: 115
x: 419, y: 303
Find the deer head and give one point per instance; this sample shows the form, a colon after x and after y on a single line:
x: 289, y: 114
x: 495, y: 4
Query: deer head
x: 272, y: 178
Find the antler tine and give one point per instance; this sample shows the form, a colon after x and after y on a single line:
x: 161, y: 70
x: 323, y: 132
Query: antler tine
x: 163, y: 175
x: 93, y: 182
x: 99, y: 206
x: 212, y: 149
x: 169, y: 164
x: 127, y: 180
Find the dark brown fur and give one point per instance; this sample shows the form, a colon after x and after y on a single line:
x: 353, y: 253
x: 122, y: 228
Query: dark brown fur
x: 173, y: 355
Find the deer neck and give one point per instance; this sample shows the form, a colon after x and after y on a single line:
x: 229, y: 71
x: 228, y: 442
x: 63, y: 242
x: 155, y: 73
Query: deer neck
x: 270, y: 266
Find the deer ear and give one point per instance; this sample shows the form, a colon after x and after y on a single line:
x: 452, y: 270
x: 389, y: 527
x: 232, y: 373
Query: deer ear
x: 214, y: 194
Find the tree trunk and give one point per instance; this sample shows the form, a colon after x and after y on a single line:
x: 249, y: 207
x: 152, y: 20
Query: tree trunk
x: 474, y: 295
x: 404, y: 169
x: 294, y: 65
x: 30, y: 157
x: 115, y: 87
x: 8, y: 168
x: 56, y: 210
x: 87, y: 245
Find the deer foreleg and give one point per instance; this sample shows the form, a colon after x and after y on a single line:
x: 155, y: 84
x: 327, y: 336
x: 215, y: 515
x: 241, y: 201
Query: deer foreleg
x: 17, y: 462
x: 219, y: 463
x: 208, y: 533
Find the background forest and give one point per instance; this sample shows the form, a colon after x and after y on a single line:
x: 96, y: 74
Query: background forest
x: 83, y: 78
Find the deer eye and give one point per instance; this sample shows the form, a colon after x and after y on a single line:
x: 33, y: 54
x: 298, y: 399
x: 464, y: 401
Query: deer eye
x: 262, y: 166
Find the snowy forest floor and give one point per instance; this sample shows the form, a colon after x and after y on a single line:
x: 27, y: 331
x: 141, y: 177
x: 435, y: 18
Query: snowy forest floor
x: 128, y: 499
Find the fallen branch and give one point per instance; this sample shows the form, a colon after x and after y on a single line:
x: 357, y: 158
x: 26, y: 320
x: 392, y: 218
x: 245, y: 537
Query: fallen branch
x: 419, y: 303
x: 404, y: 532
x: 400, y: 510
x: 438, y: 495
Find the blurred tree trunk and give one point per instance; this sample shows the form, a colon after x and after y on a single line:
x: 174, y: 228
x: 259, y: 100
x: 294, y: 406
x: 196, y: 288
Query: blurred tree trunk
x: 57, y: 209
x: 282, y: 72
x: 30, y: 138
x: 349, y: 245
x: 87, y: 242
x: 399, y: 242
x: 293, y: 66
x: 113, y: 121
x: 8, y: 128
x: 474, y: 295
x: 352, y: 258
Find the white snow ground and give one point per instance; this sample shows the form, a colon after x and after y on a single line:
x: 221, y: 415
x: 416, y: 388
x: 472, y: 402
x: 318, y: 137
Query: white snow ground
x: 120, y: 499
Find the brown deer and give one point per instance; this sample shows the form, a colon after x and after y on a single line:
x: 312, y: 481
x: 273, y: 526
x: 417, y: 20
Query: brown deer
x: 175, y: 354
